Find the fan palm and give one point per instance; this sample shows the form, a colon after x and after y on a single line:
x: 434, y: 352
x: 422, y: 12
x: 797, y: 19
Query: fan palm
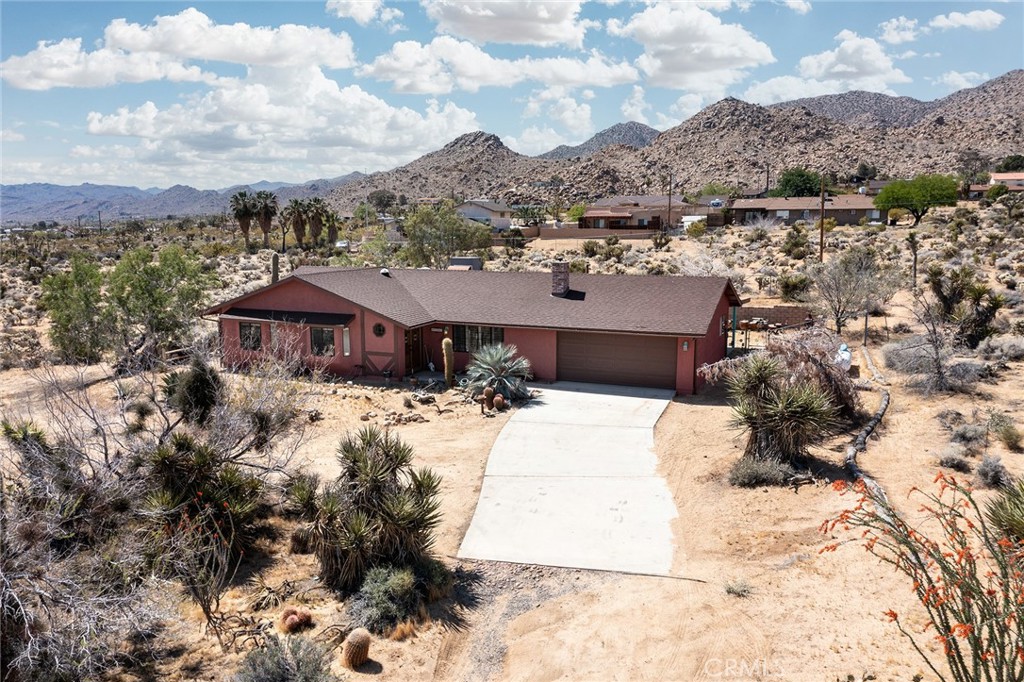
x: 243, y: 207
x: 266, y: 208
x: 331, y: 221
x: 316, y: 212
x: 499, y: 367
x: 296, y: 215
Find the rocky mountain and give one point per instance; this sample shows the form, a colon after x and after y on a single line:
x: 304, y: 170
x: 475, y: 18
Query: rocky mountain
x: 38, y: 201
x: 863, y: 109
x: 629, y: 134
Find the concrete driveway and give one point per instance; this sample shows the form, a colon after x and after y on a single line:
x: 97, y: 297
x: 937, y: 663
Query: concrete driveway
x: 572, y: 481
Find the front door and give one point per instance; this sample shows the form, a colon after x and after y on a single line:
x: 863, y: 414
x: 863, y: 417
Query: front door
x: 413, y: 351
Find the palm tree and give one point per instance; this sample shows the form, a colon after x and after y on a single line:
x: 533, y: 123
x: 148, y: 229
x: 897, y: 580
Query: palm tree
x: 317, y: 210
x: 266, y: 208
x: 331, y: 221
x: 296, y: 215
x: 244, y: 209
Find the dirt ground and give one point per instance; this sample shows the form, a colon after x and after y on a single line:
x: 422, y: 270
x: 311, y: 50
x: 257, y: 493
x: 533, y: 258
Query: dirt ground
x: 808, y: 616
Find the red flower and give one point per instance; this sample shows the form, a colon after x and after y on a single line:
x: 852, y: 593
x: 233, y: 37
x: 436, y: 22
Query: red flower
x: 893, y: 616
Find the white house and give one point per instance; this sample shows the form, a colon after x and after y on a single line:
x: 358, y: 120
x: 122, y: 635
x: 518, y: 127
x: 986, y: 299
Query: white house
x: 495, y: 214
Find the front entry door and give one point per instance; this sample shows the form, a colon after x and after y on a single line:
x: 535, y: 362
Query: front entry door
x: 413, y: 351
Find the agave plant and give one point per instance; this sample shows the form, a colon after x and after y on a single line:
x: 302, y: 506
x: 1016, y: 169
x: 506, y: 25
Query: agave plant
x: 1006, y: 511
x: 499, y: 367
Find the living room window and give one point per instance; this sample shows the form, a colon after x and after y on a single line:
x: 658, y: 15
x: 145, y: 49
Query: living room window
x: 321, y: 340
x: 250, y: 335
x: 471, y: 338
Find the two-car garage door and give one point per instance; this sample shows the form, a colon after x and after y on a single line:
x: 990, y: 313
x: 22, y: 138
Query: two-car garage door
x: 624, y: 359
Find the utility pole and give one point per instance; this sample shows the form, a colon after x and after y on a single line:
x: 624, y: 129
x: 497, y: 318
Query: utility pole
x: 821, y: 223
x: 99, y: 214
x: 663, y: 227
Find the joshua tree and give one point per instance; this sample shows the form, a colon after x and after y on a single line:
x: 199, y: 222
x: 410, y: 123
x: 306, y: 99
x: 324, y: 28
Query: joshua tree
x: 243, y: 207
x: 914, y: 243
x: 266, y: 208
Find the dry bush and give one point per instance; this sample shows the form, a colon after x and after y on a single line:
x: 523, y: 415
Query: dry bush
x: 992, y: 473
x: 956, y: 462
x: 747, y: 472
x: 1002, y: 348
x: 292, y: 659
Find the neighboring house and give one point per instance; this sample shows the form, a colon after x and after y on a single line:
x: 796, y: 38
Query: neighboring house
x: 1015, y: 181
x: 873, y: 187
x: 634, y: 212
x: 497, y: 215
x: 847, y: 209
x: 615, y: 329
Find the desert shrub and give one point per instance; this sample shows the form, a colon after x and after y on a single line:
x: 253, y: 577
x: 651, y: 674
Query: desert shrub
x: 758, y: 234
x: 194, y: 392
x: 796, y: 245
x: 591, y: 248
x: 739, y: 588
x: 1003, y: 348
x: 747, y: 472
x: 901, y: 328
x: 1006, y: 510
x: 289, y: 659
x: 971, y: 435
x: 387, y: 597
x: 992, y: 473
x: 499, y: 367
x: 1005, y: 431
x: 956, y: 462
x: 996, y: 191
x: 697, y: 229
x: 300, y: 492
x: 793, y: 286
x: 909, y: 356
x: 379, y: 511
x: 967, y: 578
x: 579, y: 265
x: 660, y: 240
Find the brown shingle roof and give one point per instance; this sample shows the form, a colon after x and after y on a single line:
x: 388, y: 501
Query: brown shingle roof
x: 680, y: 306
x: 837, y: 202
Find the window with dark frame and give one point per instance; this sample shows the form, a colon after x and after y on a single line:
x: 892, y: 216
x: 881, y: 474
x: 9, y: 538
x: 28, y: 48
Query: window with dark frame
x: 471, y: 338
x: 321, y: 340
x: 250, y: 335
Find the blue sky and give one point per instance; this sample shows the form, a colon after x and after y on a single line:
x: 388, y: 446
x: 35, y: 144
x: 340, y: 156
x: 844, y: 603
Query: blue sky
x: 222, y: 93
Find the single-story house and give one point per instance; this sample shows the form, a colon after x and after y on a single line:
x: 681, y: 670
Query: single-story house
x: 847, y: 209
x: 1015, y: 181
x: 493, y: 213
x: 634, y: 212
x: 614, y: 329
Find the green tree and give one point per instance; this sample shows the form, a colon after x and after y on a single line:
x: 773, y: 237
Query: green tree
x: 996, y: 191
x: 797, y: 182
x: 74, y: 302
x: 365, y: 214
x: 716, y: 189
x: 243, y: 207
x: 866, y: 171
x: 295, y: 215
x: 852, y: 284
x: 265, y: 208
x: 382, y: 200
x: 918, y: 195
x: 316, y: 214
x: 973, y: 166
x: 155, y: 300
x: 1011, y: 164
x: 437, y: 234
x: 577, y: 211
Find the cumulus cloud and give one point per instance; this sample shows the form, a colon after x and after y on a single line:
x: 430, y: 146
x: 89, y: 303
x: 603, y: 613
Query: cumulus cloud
x: 858, y: 63
x: 446, y: 64
x: 798, y: 6
x: 535, y: 140
x: 977, y: 20
x: 530, y: 22
x: 899, y: 30
x: 364, y: 12
x: 134, y: 53
x: 688, y: 47
x: 10, y: 135
x: 560, y: 106
x: 634, y: 106
x: 956, y: 80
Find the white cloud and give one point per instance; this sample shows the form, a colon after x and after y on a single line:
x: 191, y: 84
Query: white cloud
x: 535, y: 140
x: 956, y: 80
x: 446, y: 64
x: 363, y: 12
x: 798, y: 6
x: 9, y: 135
x: 978, y: 20
x: 133, y: 53
x: 633, y: 107
x: 558, y: 105
x: 858, y: 63
x: 899, y: 30
x: 530, y: 22
x: 688, y: 47
x: 908, y: 54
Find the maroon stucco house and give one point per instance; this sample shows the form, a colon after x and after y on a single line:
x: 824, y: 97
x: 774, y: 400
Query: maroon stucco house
x: 615, y: 329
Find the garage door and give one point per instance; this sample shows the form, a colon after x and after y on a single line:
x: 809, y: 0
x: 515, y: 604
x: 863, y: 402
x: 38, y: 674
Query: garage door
x: 623, y: 359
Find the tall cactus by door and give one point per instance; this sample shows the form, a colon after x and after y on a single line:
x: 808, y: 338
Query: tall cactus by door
x: 448, y: 348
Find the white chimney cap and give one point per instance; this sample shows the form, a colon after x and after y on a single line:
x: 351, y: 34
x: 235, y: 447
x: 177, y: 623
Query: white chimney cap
x: 385, y: 272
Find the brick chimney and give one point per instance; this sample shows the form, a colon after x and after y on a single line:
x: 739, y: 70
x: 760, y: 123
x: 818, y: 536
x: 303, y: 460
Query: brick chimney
x: 559, y: 278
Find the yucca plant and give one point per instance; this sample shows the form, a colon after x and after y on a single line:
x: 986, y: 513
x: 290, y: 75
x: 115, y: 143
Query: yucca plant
x: 1006, y: 510
x: 498, y: 367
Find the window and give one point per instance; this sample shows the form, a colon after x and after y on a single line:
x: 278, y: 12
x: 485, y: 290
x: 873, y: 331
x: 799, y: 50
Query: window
x: 250, y: 334
x: 379, y: 330
x: 784, y: 214
x: 470, y: 339
x: 346, y: 343
x: 321, y: 340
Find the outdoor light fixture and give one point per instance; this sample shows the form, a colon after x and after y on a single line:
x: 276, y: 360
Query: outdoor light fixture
x: 686, y: 345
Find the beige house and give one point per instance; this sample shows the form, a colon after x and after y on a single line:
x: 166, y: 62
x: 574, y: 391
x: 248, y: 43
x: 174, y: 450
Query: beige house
x: 847, y: 209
